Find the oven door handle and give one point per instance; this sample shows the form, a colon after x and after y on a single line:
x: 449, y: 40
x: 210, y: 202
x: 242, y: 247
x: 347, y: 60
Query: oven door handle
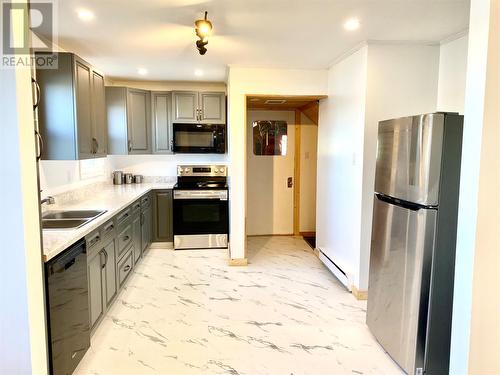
x: 193, y: 195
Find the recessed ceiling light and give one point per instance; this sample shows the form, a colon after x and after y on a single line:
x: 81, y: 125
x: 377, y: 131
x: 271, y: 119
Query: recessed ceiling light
x: 352, y: 24
x: 142, y: 71
x: 198, y: 73
x: 85, y: 14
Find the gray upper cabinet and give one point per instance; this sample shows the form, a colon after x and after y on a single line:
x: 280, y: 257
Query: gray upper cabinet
x: 212, y: 107
x: 129, y: 120
x: 199, y: 107
x: 162, y: 123
x: 99, y: 127
x: 185, y: 106
x: 70, y: 113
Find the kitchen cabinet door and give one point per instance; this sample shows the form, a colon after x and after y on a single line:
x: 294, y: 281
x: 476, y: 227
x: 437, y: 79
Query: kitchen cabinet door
x: 138, y: 122
x: 185, y: 106
x: 162, y: 216
x: 95, y: 276
x: 162, y: 124
x: 213, y: 107
x: 71, y: 114
x: 83, y: 94
x: 109, y: 285
x: 99, y: 126
x: 146, y: 228
x: 136, y: 235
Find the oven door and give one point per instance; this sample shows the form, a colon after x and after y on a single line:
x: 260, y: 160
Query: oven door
x: 200, y: 219
x: 199, y: 138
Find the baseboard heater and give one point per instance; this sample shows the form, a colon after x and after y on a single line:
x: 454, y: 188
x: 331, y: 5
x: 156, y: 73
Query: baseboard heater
x: 334, y: 268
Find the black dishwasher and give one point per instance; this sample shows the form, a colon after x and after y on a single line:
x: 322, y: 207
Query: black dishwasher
x: 67, y: 309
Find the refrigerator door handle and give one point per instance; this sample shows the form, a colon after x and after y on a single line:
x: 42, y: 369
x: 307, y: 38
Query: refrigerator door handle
x: 402, y: 203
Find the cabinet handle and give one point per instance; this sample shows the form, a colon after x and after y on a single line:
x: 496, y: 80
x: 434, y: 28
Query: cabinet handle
x: 94, y: 146
x: 123, y: 217
x: 94, y: 240
x: 40, y: 145
x: 129, y: 145
x: 109, y: 228
x: 37, y: 88
x: 126, y: 238
x: 104, y: 252
x: 126, y: 268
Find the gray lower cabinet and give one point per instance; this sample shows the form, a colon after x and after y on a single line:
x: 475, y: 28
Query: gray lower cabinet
x: 101, y: 272
x: 71, y: 110
x: 125, y: 265
x: 162, y: 214
x: 114, y: 249
x: 137, y: 236
x: 199, y: 107
x: 162, y: 123
x: 110, y: 271
x: 146, y: 222
x: 96, y: 279
x: 128, y: 113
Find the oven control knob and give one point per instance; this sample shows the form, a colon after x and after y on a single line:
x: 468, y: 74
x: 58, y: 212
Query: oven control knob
x: 186, y: 169
x: 221, y: 170
x: 181, y: 170
x: 216, y: 170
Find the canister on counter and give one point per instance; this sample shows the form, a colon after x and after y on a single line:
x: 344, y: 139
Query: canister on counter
x: 117, y: 177
x: 129, y: 178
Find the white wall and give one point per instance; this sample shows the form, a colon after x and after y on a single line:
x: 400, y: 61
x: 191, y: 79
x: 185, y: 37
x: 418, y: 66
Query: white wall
x: 58, y: 176
x: 308, y: 168
x: 452, y: 72
x: 269, y: 200
x: 476, y: 307
x: 242, y: 82
x: 160, y: 165
x: 375, y: 83
x: 340, y: 152
x: 402, y: 81
x: 23, y: 348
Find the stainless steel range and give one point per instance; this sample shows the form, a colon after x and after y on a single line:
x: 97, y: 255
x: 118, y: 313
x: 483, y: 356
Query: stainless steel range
x: 201, y: 208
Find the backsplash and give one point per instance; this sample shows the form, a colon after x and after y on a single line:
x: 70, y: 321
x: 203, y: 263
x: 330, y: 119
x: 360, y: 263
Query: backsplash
x: 66, y: 176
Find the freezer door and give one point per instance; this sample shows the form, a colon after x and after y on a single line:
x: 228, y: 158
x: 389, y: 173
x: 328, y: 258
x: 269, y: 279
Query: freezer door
x: 409, y: 158
x: 400, y: 263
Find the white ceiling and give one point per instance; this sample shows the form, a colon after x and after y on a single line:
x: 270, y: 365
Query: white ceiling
x: 159, y: 34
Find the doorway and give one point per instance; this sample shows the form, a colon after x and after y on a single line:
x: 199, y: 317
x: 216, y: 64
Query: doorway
x: 281, y: 186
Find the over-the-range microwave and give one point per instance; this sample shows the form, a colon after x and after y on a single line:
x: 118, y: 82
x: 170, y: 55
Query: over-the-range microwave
x: 199, y: 138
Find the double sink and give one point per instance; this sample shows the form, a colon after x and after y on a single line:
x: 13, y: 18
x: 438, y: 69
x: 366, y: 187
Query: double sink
x: 69, y: 219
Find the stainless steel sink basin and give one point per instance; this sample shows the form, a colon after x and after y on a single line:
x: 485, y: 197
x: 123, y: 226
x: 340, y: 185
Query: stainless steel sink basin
x: 63, y: 223
x: 68, y: 219
x: 82, y: 214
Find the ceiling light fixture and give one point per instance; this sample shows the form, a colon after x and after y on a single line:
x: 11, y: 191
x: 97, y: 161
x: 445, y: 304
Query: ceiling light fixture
x: 142, y: 71
x: 85, y: 15
x: 352, y: 24
x: 203, y: 30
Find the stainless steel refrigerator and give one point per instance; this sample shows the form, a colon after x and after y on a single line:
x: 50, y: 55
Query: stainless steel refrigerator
x: 412, y: 258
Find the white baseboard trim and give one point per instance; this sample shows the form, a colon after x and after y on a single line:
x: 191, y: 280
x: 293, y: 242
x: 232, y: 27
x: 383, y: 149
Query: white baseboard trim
x: 161, y: 245
x: 337, y: 272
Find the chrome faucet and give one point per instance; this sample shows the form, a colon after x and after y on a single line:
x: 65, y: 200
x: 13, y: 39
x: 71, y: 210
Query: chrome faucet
x: 48, y: 200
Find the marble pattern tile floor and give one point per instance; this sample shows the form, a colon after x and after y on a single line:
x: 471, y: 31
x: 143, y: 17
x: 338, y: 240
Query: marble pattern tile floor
x: 188, y: 312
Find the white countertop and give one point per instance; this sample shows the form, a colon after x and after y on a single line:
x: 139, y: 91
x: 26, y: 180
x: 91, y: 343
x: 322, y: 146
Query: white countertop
x: 112, y: 198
